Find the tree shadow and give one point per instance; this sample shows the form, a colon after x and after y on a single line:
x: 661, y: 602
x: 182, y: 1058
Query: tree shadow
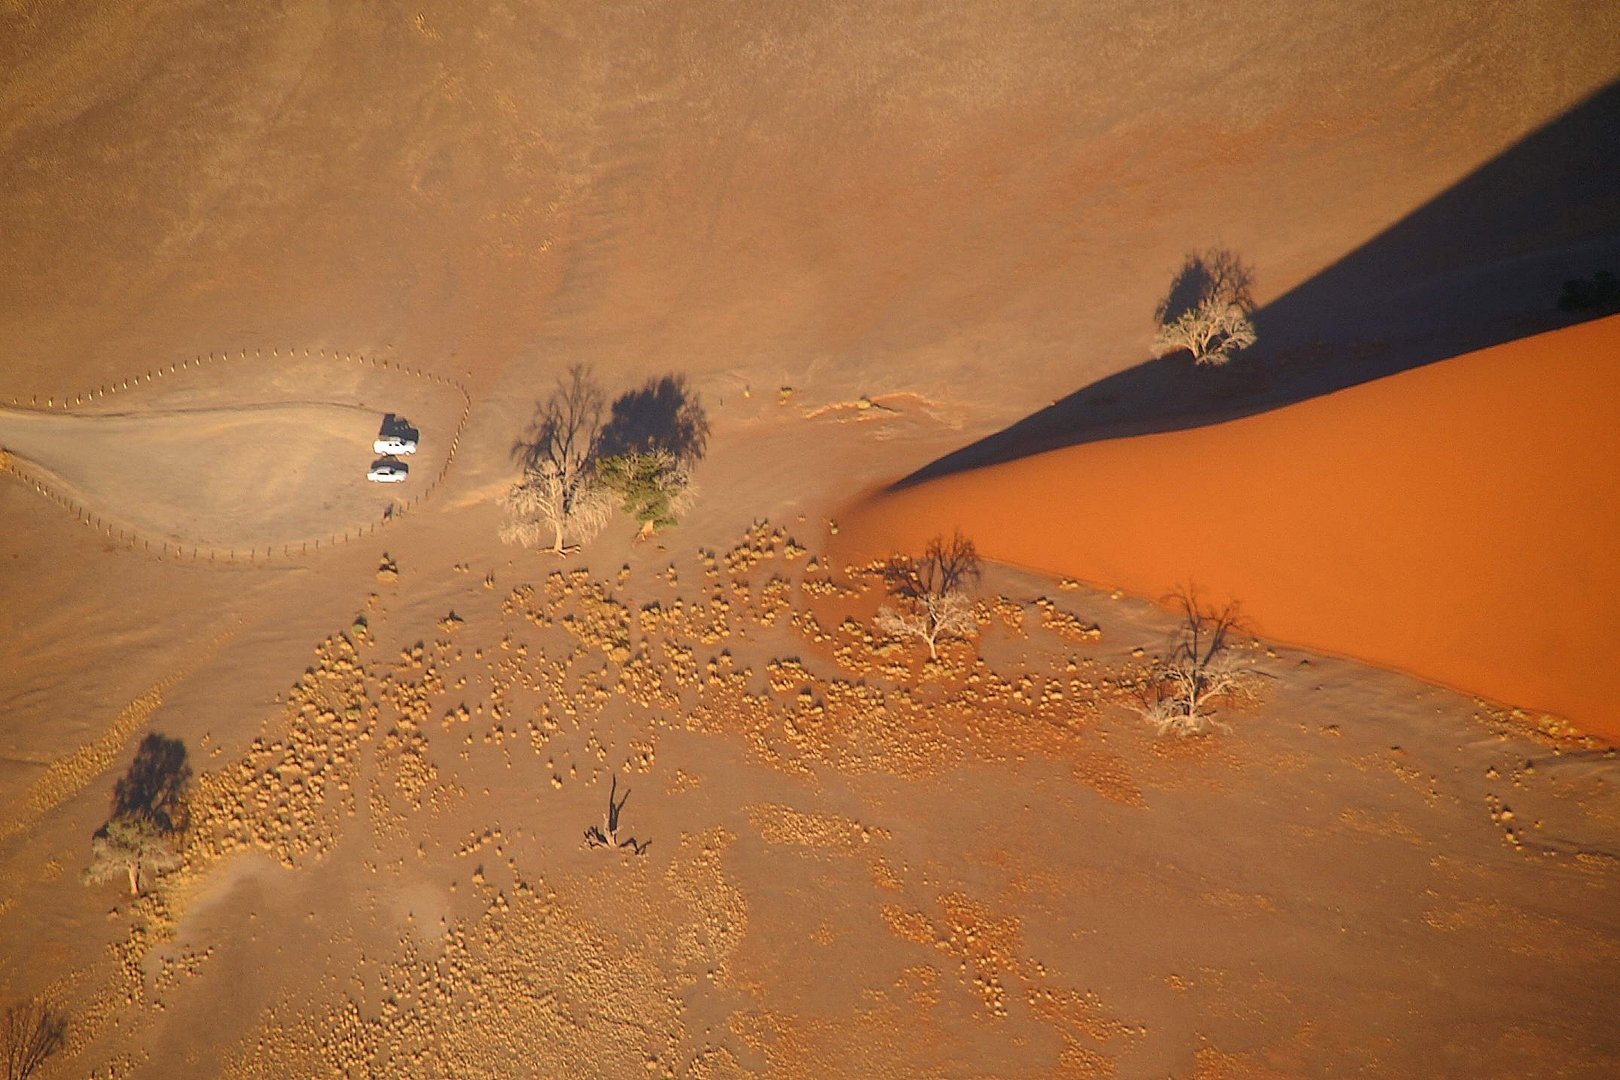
x: 1479, y: 265
x: 1215, y: 273
x: 154, y: 786
x: 30, y: 1032
x: 566, y: 427
x: 665, y: 414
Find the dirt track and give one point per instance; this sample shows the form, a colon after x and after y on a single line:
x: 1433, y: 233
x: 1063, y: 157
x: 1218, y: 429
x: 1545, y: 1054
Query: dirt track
x: 227, y: 459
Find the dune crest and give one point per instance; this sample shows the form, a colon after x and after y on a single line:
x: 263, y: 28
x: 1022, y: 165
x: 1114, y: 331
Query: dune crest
x: 1457, y: 521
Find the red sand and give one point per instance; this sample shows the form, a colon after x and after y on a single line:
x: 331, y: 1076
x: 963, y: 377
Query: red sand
x: 1460, y: 522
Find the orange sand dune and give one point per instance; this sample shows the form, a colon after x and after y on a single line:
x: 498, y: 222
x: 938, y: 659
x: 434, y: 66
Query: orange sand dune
x: 1460, y: 522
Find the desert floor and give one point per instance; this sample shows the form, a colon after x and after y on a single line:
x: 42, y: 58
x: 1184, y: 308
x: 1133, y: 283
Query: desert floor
x: 865, y: 238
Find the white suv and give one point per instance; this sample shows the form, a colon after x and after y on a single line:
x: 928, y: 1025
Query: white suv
x: 394, y: 444
x: 388, y: 472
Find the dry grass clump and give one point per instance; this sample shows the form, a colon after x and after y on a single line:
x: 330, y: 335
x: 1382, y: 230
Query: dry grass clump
x: 1066, y: 625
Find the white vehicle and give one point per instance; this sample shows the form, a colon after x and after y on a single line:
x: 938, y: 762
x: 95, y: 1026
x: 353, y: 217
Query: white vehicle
x: 394, y: 444
x: 388, y: 472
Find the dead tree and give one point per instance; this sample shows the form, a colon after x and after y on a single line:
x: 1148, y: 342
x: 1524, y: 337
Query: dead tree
x: 932, y: 593
x: 606, y: 835
x: 560, y: 493
x: 1208, y: 309
x: 1199, y: 671
x: 30, y: 1032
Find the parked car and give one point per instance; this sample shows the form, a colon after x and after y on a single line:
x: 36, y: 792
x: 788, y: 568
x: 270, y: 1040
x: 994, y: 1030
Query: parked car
x: 394, y: 444
x: 388, y: 471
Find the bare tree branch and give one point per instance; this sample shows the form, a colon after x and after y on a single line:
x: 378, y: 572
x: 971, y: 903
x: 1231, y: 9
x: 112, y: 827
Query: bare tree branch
x: 932, y: 593
x: 560, y: 493
x: 1199, y: 672
x: 1207, y: 310
x: 30, y: 1032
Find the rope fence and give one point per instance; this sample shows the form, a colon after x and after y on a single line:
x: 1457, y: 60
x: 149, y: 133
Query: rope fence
x: 165, y: 548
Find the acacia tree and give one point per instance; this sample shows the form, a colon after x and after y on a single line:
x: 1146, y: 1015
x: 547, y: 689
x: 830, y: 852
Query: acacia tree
x: 1208, y: 309
x: 932, y: 593
x: 1199, y: 671
x: 142, y: 838
x: 652, y: 483
x: 135, y: 846
x: 560, y: 493
x: 30, y: 1032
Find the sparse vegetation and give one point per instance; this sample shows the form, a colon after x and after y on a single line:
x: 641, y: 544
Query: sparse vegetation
x: 652, y: 483
x: 560, y: 492
x: 142, y: 838
x: 576, y: 464
x: 1200, y: 671
x: 606, y: 835
x: 30, y: 1032
x: 1208, y: 309
x: 932, y: 594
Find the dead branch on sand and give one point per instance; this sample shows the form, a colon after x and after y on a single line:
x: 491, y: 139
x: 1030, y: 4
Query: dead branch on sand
x: 606, y: 835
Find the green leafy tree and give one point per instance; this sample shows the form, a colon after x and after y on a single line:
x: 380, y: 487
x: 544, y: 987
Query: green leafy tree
x: 134, y: 845
x: 652, y: 484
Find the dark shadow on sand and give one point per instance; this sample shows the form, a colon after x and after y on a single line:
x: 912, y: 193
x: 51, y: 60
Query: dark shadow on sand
x: 1482, y: 264
x: 154, y: 786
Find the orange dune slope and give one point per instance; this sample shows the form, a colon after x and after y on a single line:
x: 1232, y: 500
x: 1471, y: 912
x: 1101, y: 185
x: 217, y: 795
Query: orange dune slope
x: 1460, y: 522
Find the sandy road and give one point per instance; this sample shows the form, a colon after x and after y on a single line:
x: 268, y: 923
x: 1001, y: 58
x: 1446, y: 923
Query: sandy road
x: 243, y: 475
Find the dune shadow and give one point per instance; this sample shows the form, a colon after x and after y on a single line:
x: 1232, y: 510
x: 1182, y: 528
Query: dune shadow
x: 1481, y: 264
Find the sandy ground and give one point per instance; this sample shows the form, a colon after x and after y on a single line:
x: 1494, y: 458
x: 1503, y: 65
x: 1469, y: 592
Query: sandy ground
x: 860, y: 867
x: 230, y: 457
x: 1457, y: 521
